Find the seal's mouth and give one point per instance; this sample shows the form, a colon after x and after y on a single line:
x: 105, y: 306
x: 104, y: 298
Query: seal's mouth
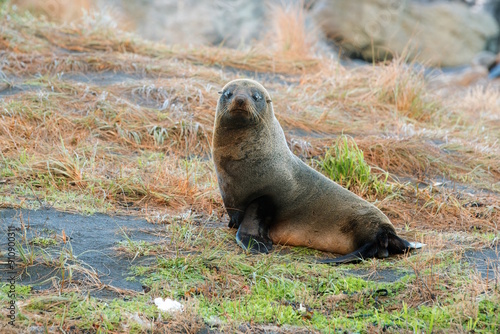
x: 238, y: 111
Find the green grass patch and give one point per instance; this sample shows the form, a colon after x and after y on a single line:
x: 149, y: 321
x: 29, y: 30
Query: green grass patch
x: 43, y: 242
x: 344, y: 163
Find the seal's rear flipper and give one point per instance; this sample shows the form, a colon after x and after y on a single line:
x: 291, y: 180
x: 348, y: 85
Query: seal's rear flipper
x: 399, y: 245
x: 384, y: 245
x: 415, y: 245
x: 365, y: 252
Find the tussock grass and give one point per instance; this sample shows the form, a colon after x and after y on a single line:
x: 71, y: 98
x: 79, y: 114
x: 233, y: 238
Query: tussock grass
x: 96, y: 120
x: 424, y: 159
x: 290, y: 35
x: 95, y: 38
x: 404, y: 87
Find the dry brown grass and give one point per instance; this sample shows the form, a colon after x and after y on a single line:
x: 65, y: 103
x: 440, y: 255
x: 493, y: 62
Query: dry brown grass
x: 291, y: 37
x: 167, y: 106
x: 443, y: 210
x: 82, y: 40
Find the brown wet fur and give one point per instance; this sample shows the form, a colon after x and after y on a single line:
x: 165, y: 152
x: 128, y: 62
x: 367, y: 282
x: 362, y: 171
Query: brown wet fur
x: 299, y: 205
x: 336, y: 243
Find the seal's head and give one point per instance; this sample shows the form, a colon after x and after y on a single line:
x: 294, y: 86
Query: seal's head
x: 242, y: 103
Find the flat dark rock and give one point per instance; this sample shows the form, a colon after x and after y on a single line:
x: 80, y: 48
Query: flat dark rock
x: 486, y: 261
x: 92, y: 246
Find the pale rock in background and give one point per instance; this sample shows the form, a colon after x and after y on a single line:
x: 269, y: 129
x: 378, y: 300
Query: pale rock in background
x: 436, y: 33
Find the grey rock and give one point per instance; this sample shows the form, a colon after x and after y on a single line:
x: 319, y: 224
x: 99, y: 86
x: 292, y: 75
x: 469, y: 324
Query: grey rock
x: 436, y: 33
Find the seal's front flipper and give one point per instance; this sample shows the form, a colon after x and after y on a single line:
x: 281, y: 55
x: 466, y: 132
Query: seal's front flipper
x: 253, y: 232
x: 235, y: 218
x: 254, y: 244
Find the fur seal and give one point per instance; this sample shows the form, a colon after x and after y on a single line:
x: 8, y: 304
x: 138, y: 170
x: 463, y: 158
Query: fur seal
x: 271, y: 196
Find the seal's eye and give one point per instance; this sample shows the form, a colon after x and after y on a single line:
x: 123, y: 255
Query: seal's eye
x: 256, y: 96
x: 227, y: 94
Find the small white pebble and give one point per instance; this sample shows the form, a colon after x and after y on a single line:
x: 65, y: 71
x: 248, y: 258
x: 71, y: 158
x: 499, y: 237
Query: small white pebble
x: 168, y: 305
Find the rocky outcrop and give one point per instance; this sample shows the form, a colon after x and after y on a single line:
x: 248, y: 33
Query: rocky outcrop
x: 437, y: 33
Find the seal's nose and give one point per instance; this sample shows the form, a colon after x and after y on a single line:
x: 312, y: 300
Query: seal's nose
x: 239, y: 101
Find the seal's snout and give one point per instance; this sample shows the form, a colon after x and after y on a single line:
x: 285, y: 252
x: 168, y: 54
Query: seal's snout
x: 239, y: 103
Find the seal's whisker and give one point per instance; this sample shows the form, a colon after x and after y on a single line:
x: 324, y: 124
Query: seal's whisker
x: 222, y: 111
x: 255, y: 114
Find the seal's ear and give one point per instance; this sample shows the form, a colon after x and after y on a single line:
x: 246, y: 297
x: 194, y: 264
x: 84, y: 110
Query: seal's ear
x: 269, y: 101
x: 220, y: 92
